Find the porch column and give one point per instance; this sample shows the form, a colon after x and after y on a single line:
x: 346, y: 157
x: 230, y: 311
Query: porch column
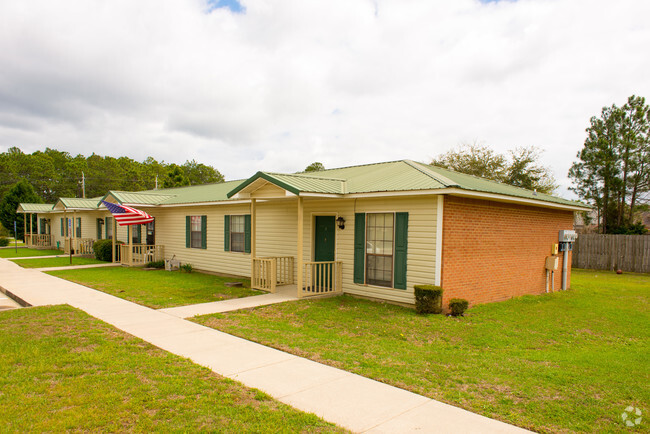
x: 25, y: 231
x: 253, y: 235
x: 31, y: 229
x: 65, y: 228
x: 299, y: 247
x: 73, y: 241
x: 114, y: 237
x: 130, y: 252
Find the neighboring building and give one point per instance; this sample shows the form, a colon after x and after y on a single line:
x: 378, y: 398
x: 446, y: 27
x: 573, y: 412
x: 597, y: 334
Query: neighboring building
x: 373, y: 230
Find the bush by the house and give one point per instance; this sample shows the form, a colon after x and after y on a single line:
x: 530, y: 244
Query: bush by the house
x: 186, y: 268
x: 4, y: 242
x: 104, y: 249
x: 156, y: 264
x: 458, y: 306
x: 428, y: 299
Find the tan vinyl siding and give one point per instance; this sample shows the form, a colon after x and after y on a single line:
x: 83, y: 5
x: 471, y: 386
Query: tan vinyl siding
x: 170, y: 232
x: 421, y: 240
x: 268, y: 190
x: 276, y: 228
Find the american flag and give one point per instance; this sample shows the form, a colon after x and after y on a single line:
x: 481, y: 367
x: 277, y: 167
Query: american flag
x: 125, y: 215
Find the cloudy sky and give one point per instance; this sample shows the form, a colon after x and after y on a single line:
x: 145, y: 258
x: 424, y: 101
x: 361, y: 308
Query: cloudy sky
x: 275, y: 85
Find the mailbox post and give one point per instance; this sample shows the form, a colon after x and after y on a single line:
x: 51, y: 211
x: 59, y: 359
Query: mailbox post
x: 566, y: 238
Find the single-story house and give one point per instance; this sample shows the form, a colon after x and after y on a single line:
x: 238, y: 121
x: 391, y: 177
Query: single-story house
x: 373, y: 230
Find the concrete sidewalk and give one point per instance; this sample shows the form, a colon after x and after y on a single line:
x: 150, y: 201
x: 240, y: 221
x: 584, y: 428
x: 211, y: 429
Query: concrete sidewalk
x: 77, y: 267
x: 349, y: 400
x: 226, y: 305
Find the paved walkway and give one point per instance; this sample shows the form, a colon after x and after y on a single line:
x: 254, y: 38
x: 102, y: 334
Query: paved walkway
x: 227, y: 305
x: 39, y: 257
x: 77, y: 267
x: 347, y: 399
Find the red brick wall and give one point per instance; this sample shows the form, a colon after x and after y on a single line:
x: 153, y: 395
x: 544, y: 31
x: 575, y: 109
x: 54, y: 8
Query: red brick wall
x: 493, y: 251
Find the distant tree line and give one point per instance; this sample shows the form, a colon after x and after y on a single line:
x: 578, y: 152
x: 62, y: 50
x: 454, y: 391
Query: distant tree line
x: 45, y: 176
x: 55, y: 174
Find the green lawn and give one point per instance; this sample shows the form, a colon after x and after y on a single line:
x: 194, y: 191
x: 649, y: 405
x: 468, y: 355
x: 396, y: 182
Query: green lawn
x: 11, y: 253
x: 63, y: 370
x: 159, y: 288
x: 568, y: 361
x: 63, y: 261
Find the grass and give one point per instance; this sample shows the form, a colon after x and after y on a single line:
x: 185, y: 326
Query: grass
x: 66, y: 371
x: 11, y: 253
x: 56, y: 262
x: 568, y: 361
x: 158, y: 288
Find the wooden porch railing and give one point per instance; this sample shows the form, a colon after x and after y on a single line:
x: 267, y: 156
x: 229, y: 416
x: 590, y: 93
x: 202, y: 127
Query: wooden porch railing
x: 270, y: 272
x: 141, y: 254
x: 321, y: 278
x: 265, y: 274
x: 81, y: 246
x: 38, y: 240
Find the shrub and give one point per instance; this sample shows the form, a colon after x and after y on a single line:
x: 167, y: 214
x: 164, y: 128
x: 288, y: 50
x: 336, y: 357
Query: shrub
x: 156, y: 264
x: 458, y: 306
x: 428, y: 299
x: 4, y: 242
x: 104, y: 249
x: 186, y: 268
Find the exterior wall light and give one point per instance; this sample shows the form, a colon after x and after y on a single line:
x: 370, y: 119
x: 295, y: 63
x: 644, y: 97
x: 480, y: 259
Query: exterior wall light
x: 340, y: 222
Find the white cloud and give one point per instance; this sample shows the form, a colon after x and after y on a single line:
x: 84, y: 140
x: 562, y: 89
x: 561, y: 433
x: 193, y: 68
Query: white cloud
x: 291, y: 82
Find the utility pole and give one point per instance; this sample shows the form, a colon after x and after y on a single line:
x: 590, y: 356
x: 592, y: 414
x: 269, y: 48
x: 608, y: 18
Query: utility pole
x: 156, y: 182
x: 83, y: 185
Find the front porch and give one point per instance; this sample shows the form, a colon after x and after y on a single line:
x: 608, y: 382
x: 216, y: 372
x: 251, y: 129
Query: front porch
x: 318, y: 278
x: 318, y: 275
x: 38, y: 241
x: 139, y: 255
x: 80, y: 246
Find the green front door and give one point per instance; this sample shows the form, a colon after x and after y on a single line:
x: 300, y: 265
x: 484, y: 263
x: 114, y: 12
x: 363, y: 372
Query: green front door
x: 324, y: 245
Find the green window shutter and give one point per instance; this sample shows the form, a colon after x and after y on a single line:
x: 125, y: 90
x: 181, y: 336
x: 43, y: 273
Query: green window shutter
x: 401, y: 247
x: 360, y: 248
x: 78, y: 229
x: 204, y: 231
x: 99, y: 229
x: 107, y: 221
x: 62, y: 227
x: 247, y: 233
x: 188, y: 231
x: 226, y: 233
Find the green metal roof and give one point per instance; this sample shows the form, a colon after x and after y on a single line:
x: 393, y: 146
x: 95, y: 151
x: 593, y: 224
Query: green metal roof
x: 78, y: 203
x: 139, y: 197
x: 34, y: 207
x: 395, y: 176
x: 404, y: 175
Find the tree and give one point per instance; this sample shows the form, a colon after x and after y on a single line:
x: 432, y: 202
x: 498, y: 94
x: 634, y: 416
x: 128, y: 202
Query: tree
x: 21, y: 192
x: 175, y: 178
x: 521, y: 168
x: 613, y: 167
x: 198, y: 173
x: 315, y: 167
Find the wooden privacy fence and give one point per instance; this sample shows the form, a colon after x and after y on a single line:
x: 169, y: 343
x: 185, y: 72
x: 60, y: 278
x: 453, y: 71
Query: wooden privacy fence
x: 608, y: 252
